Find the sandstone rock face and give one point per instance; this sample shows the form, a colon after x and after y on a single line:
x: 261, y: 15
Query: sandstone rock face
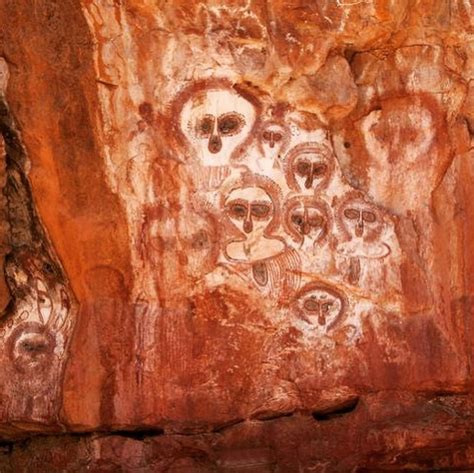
x: 236, y: 235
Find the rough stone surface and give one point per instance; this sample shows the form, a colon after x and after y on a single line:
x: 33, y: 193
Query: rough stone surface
x: 236, y: 235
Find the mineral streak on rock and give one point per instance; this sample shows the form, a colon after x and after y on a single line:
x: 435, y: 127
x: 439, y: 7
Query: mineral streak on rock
x: 236, y: 235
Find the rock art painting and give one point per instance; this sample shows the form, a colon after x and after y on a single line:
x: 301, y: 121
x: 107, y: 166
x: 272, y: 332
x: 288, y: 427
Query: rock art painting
x: 309, y: 167
x: 236, y: 236
x: 320, y: 306
x: 287, y: 226
x: 216, y: 120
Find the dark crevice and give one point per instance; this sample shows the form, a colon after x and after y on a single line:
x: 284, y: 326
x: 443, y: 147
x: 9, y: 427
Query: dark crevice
x: 267, y: 416
x: 338, y: 411
x: 349, y: 55
x: 227, y: 425
x: 7, y: 446
x: 138, y: 434
x: 448, y: 394
x: 26, y: 230
x: 413, y: 470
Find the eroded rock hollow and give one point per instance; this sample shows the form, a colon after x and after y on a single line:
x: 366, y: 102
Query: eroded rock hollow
x: 236, y: 236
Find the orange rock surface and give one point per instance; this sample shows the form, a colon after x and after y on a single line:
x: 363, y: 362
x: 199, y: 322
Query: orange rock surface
x: 236, y: 235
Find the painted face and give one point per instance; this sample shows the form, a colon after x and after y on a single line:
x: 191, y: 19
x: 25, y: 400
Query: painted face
x: 307, y: 221
x: 320, y: 306
x: 31, y: 348
x: 308, y: 168
x: 198, y: 244
x: 216, y: 122
x: 361, y: 219
x: 272, y: 136
x: 250, y: 209
x: 274, y: 139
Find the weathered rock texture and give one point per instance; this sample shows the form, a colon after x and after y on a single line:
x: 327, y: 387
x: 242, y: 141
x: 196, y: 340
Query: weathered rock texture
x: 237, y: 235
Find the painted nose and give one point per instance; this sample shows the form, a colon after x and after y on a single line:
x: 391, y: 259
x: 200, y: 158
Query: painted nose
x: 305, y: 228
x: 309, y: 178
x: 215, y: 143
x: 359, y: 230
x: 248, y: 224
x: 315, y: 308
x: 322, y: 317
x: 272, y: 139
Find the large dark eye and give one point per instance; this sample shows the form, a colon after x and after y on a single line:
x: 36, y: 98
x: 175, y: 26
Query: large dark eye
x: 269, y: 135
x: 260, y: 210
x: 238, y: 210
x: 297, y: 220
x: 351, y: 214
x: 311, y: 305
x: 230, y: 124
x: 368, y: 216
x: 33, y: 346
x: 316, y: 221
x: 205, y: 126
x: 303, y: 167
x: 319, y: 169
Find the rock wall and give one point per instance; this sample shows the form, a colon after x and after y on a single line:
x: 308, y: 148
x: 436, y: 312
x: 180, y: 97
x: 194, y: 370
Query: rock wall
x: 236, y: 235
